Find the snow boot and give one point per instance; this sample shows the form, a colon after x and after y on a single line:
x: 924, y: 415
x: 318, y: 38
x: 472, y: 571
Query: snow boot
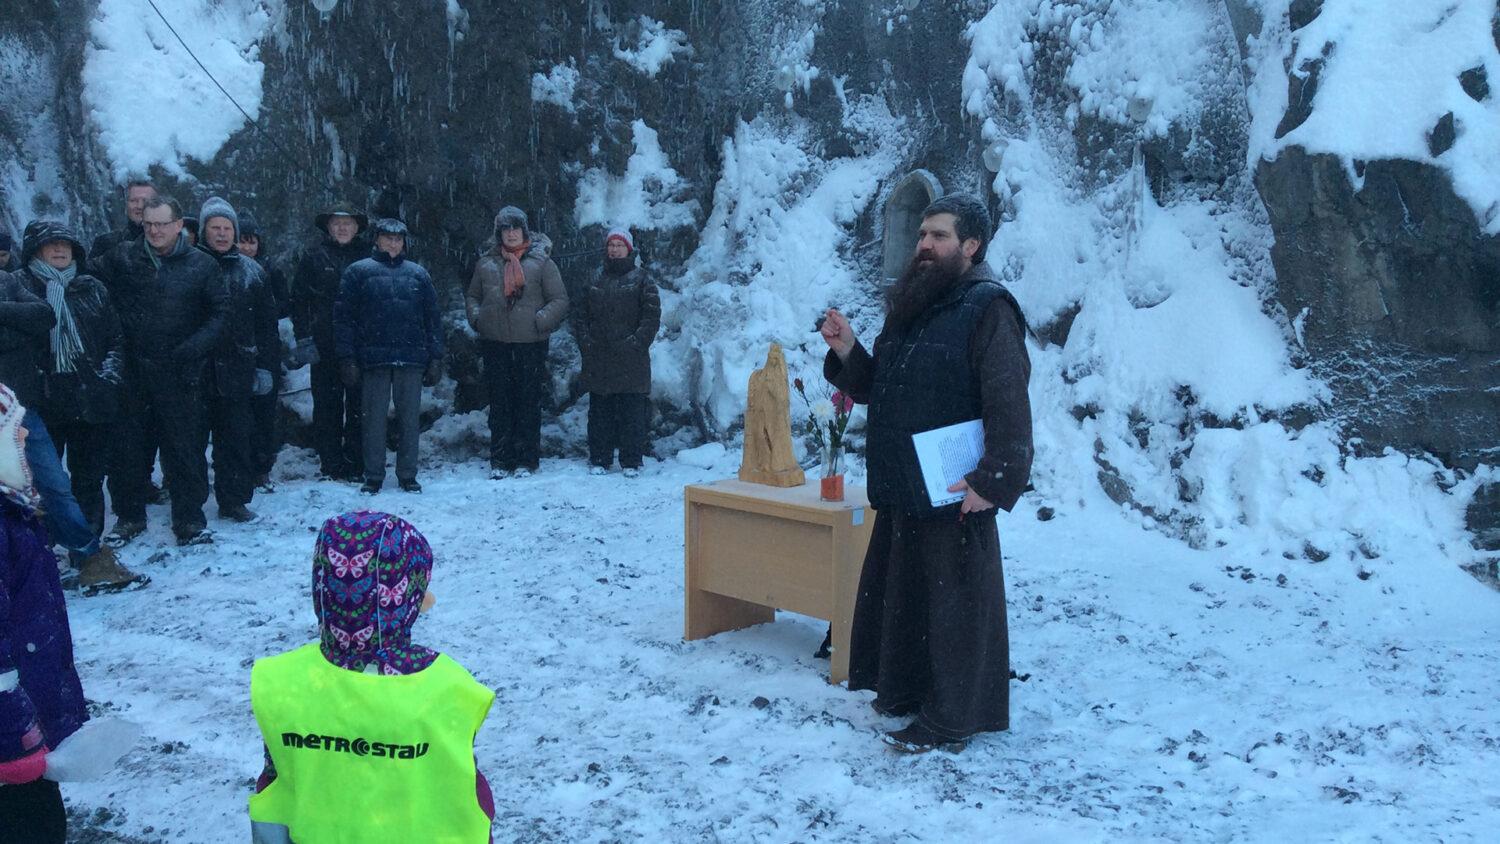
x: 632, y: 472
x: 370, y: 487
x: 102, y: 573
x: 193, y: 535
x: 410, y: 485
x: 124, y: 531
x: 598, y: 470
x: 237, y: 513
x: 915, y: 738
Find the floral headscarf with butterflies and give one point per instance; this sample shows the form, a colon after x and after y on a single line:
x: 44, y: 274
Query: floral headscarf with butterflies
x: 370, y: 573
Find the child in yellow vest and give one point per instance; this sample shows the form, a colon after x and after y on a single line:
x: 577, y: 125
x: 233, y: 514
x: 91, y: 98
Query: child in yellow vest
x: 368, y: 736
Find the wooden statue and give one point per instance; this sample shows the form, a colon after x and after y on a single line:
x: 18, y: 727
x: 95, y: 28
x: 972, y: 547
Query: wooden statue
x: 769, y: 458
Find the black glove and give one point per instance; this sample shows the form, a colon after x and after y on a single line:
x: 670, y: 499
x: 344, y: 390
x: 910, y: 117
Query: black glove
x: 433, y: 374
x: 350, y: 372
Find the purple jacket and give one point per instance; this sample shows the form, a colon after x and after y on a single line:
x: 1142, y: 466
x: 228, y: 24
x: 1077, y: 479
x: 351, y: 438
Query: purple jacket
x: 39, y: 688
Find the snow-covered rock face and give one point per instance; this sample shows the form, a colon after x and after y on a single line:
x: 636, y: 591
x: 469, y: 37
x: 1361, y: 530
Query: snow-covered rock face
x: 1198, y: 360
x: 1375, y: 141
x: 1170, y: 378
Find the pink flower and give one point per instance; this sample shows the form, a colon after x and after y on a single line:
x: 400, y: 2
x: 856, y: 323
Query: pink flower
x: 842, y: 403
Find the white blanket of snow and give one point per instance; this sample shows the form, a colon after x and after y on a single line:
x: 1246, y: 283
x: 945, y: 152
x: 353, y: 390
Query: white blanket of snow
x: 151, y: 102
x: 1391, y: 72
x: 1174, y: 694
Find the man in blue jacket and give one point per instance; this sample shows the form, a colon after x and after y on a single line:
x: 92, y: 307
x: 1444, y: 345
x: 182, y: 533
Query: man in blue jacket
x: 388, y: 337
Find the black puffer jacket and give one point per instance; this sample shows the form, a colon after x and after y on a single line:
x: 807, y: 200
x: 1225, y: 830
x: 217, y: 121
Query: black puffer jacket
x: 615, y: 323
x: 315, y: 287
x: 24, y: 323
x: 387, y: 314
x: 91, y: 393
x: 173, y: 315
x: 249, y: 341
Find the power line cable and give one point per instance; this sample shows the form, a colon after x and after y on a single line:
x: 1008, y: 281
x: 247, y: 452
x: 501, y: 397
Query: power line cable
x: 206, y: 72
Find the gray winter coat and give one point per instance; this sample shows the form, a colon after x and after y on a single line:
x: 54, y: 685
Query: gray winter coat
x: 535, y: 314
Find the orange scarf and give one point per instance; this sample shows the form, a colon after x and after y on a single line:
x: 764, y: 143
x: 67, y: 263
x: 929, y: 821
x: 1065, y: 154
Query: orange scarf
x: 515, y: 277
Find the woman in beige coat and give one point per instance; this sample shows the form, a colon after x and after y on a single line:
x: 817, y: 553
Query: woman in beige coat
x: 515, y: 301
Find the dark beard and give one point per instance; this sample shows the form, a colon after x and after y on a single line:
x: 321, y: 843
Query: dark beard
x: 918, y: 288
x: 619, y: 266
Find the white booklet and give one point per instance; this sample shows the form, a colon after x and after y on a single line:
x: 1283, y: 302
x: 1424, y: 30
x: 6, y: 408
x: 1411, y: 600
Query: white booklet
x: 945, y: 455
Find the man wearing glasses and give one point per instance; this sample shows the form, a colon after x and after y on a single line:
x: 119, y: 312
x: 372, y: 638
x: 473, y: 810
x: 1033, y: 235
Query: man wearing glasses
x: 173, y: 308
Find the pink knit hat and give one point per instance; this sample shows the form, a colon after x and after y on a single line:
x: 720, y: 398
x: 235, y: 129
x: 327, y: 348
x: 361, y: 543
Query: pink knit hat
x: 622, y: 235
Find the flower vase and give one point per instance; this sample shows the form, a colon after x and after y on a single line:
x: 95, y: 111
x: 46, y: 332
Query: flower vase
x: 832, y: 483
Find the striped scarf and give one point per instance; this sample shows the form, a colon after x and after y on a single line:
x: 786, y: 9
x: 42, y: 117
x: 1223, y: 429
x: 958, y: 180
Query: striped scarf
x: 66, y: 344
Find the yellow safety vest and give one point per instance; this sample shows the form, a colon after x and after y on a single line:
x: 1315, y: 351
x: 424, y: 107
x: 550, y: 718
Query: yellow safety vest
x: 364, y: 758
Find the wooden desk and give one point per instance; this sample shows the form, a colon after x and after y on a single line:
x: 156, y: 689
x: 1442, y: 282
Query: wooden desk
x: 749, y: 549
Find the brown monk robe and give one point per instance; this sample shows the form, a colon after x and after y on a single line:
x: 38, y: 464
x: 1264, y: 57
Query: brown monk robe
x: 929, y: 633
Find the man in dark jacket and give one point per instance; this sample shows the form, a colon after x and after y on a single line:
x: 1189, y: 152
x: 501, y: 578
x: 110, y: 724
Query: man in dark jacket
x: 138, y: 192
x: 173, y: 308
x: 82, y: 363
x: 315, y: 287
x: 515, y: 300
x: 615, y: 325
x: 242, y: 364
x: 929, y: 633
x: 389, y: 337
x: 267, y: 440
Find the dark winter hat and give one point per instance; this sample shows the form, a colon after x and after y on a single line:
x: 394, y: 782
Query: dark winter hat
x: 190, y: 224
x: 622, y: 235
x: 248, y: 226
x: 511, y: 217
x: 39, y: 233
x: 6, y: 243
x: 341, y: 209
x: 971, y: 218
x: 216, y: 206
x: 390, y: 225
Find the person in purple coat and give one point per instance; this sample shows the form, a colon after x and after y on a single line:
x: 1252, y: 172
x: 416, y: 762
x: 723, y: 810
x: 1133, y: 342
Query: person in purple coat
x: 41, y: 699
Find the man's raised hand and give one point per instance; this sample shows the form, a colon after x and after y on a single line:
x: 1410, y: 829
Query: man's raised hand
x: 837, y: 333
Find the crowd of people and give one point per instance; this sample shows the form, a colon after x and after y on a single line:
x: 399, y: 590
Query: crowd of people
x: 161, y: 343
x: 153, y: 322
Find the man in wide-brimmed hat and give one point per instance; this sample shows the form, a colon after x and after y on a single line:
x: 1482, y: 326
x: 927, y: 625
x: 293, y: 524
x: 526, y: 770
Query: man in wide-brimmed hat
x: 315, y: 287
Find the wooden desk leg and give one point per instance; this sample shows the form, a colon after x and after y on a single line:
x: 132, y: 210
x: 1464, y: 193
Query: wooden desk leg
x: 708, y: 614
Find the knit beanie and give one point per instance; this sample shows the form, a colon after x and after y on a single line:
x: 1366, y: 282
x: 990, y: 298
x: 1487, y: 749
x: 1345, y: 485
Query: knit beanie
x: 622, y: 235
x: 15, y: 474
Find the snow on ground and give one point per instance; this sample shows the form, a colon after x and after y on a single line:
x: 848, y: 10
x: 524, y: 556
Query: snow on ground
x: 1172, y: 693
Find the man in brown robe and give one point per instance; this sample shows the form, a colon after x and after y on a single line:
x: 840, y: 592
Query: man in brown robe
x: 929, y: 634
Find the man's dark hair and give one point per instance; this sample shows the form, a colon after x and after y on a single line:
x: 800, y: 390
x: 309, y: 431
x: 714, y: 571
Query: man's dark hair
x: 971, y: 218
x: 138, y: 182
x: 160, y: 199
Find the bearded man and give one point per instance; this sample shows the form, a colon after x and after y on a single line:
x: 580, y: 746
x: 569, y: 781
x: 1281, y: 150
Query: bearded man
x: 929, y: 633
